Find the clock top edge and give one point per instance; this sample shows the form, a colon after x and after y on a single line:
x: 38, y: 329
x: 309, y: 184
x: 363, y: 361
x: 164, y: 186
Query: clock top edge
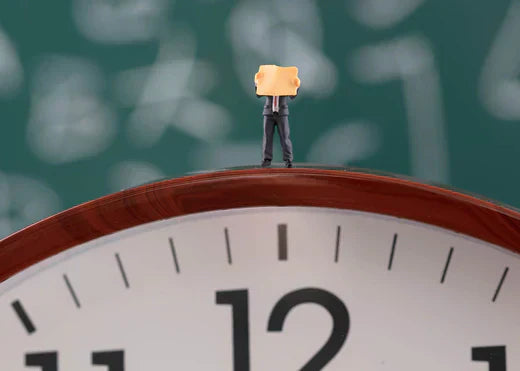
x: 255, y: 187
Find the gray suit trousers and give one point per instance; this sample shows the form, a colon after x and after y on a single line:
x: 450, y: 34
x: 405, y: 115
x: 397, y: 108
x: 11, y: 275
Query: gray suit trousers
x: 282, y: 122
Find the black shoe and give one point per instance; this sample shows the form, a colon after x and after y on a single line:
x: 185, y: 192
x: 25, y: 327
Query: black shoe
x: 266, y: 163
x: 288, y: 163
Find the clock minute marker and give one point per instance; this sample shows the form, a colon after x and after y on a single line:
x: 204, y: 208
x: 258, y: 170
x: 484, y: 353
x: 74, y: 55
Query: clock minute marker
x: 23, y: 316
x: 500, y: 284
x: 447, y: 265
x: 391, y: 260
x: 122, y: 270
x: 282, y: 241
x: 228, y: 248
x: 71, y: 290
x: 338, y: 237
x: 175, y: 262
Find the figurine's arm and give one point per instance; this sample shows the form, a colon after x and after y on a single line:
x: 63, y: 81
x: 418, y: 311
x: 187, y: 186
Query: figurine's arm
x: 258, y: 76
x: 296, y: 82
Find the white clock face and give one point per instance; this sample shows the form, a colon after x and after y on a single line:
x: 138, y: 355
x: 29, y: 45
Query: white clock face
x: 267, y: 289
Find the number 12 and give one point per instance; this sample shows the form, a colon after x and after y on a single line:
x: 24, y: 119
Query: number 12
x: 239, y: 301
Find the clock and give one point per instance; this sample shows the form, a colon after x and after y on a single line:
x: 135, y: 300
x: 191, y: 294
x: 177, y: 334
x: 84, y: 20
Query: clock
x: 266, y: 269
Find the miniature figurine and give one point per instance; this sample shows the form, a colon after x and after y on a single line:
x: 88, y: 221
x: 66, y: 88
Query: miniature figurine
x: 276, y: 84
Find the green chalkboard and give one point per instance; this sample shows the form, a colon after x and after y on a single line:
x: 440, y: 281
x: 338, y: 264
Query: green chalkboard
x: 100, y: 95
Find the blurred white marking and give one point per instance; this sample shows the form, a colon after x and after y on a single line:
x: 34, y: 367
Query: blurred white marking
x: 227, y: 155
x: 23, y: 201
x: 119, y: 22
x: 411, y: 60
x: 499, y: 81
x: 285, y: 33
x: 169, y: 94
x: 69, y: 119
x: 129, y: 174
x: 380, y: 14
x: 346, y: 143
x: 11, y: 72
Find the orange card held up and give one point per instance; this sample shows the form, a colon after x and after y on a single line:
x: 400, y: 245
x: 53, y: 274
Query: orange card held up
x: 275, y: 80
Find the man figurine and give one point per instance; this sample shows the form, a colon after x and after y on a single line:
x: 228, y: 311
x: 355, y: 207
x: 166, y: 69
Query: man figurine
x: 276, y: 112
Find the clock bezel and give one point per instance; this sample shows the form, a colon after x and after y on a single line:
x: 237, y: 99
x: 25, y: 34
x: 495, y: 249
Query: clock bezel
x: 256, y: 187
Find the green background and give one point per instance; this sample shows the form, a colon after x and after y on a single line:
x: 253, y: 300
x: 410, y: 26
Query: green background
x: 426, y: 89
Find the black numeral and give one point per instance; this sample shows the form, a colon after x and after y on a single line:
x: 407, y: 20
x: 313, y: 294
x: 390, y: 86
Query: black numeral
x: 336, y: 308
x: 496, y: 356
x: 115, y: 359
x: 238, y: 299
x: 46, y: 361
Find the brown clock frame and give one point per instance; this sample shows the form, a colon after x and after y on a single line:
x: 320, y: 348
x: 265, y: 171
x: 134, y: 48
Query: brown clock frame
x: 230, y: 189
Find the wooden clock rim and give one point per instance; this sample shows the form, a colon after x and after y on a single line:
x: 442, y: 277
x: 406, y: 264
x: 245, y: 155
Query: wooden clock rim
x: 257, y: 187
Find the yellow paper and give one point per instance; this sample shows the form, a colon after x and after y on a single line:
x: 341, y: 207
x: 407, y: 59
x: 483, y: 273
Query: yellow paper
x: 275, y: 80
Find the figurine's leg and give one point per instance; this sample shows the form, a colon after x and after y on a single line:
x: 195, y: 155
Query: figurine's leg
x: 268, y: 138
x: 285, y: 140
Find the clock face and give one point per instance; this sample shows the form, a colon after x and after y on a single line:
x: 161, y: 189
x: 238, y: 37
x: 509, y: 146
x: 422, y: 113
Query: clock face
x: 267, y: 288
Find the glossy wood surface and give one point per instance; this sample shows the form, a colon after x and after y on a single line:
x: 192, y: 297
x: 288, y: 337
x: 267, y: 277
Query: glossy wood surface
x: 260, y: 187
